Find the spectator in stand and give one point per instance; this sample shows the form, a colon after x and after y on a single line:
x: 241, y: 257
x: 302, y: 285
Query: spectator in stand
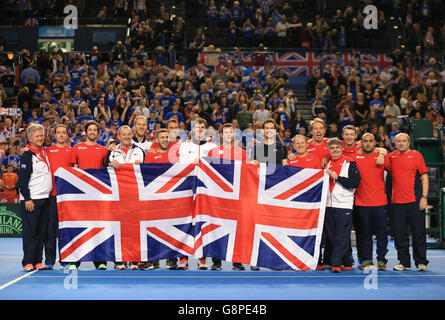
x: 199, y: 41
x: 270, y: 34
x: 212, y: 14
x: 391, y: 112
x: 248, y: 30
x: 361, y: 108
x: 377, y: 105
x: 8, y: 184
x: 12, y: 159
x: 237, y: 13
x: 29, y: 74
x: 244, y: 116
x: 224, y: 16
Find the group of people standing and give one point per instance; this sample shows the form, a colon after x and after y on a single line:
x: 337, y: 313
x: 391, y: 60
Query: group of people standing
x: 357, y: 193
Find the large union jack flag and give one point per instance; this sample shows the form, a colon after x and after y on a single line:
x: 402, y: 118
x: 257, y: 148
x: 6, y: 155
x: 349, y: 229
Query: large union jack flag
x: 232, y: 211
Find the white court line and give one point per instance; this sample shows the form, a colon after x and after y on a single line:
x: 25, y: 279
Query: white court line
x: 17, y: 279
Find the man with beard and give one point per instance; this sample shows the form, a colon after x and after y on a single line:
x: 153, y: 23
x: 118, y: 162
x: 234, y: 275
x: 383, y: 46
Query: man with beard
x: 89, y: 155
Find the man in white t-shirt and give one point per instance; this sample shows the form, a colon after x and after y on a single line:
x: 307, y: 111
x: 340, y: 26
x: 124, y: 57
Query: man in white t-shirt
x: 140, y: 130
x: 190, y: 152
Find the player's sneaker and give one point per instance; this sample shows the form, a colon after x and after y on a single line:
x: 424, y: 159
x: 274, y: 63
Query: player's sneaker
x: 147, y: 266
x: 171, y: 263
x: 133, y: 266
x: 119, y: 266
x: 64, y: 266
x: 202, y: 265
x: 72, y: 267
x: 422, y: 267
x: 28, y: 267
x: 217, y: 266
x: 381, y: 266
x: 40, y: 266
x: 400, y: 267
x: 183, y: 264
x: 238, y: 266
x: 366, y: 265
x: 102, y: 266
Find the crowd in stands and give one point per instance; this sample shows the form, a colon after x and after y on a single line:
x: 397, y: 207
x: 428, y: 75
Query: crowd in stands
x: 113, y: 89
x: 285, y: 24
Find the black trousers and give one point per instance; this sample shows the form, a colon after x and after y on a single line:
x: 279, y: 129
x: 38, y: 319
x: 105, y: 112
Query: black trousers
x: 338, y: 223
x: 53, y: 232
x: 373, y: 220
x: 35, y: 226
x: 406, y: 216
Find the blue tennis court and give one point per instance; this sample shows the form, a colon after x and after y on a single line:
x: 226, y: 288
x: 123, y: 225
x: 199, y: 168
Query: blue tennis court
x: 192, y: 284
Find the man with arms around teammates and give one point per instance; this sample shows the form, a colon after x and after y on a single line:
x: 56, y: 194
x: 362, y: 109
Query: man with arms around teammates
x: 302, y: 158
x: 371, y: 204
x: 351, y: 148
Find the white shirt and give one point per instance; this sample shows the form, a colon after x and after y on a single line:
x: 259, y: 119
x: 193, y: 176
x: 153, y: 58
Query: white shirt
x: 144, y: 144
x: 190, y: 151
x: 133, y: 154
